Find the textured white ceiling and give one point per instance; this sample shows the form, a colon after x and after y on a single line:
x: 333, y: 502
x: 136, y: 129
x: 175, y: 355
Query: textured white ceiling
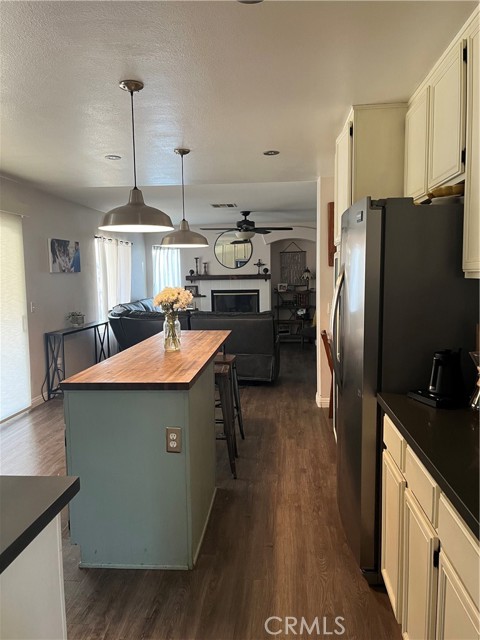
x: 226, y: 79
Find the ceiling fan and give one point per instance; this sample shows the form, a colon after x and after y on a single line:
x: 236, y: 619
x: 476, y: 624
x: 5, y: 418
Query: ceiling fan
x: 246, y: 229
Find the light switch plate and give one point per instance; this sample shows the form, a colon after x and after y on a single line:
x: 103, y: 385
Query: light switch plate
x: 174, y: 439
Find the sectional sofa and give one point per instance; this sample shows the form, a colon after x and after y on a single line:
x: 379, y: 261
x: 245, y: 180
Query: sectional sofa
x: 254, y: 337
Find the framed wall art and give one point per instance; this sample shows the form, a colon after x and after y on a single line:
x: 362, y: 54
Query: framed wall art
x: 64, y: 256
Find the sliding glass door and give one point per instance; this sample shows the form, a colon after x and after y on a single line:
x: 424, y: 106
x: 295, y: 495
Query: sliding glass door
x: 15, y: 392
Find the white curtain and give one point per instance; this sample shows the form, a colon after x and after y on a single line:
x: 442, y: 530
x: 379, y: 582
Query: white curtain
x: 166, y: 268
x: 15, y: 393
x: 114, y: 273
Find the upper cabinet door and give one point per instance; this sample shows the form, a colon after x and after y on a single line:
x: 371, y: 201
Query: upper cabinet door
x: 447, y: 119
x: 416, y: 135
x: 343, y: 177
x: 471, y: 228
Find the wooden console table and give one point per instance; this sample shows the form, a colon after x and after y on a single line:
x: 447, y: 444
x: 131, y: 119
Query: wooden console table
x: 55, y: 352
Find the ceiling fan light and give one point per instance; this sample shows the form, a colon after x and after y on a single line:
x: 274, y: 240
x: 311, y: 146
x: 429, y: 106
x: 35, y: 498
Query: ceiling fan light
x: 184, y: 238
x: 244, y: 235
x: 136, y: 217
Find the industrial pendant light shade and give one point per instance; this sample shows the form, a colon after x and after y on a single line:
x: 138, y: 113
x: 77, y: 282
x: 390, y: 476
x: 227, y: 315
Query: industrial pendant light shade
x: 183, y: 238
x: 135, y: 216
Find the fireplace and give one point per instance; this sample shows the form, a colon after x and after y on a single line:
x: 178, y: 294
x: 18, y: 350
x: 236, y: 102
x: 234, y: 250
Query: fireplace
x: 243, y: 300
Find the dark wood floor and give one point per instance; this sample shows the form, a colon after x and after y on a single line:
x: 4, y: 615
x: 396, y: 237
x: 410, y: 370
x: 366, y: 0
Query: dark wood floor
x: 274, y: 545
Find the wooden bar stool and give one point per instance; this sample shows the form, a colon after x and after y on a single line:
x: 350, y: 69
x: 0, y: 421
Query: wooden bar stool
x: 231, y: 361
x: 224, y: 384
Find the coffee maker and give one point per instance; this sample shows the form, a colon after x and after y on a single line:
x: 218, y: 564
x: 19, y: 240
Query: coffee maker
x: 446, y: 389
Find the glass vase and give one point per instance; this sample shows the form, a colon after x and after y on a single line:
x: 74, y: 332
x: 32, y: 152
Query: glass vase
x: 171, y: 332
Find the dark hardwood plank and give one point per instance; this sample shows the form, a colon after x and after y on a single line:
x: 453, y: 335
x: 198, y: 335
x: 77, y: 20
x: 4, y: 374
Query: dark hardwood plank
x: 274, y: 545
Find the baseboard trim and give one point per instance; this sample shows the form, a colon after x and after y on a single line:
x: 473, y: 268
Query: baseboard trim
x: 322, y: 402
x: 36, y: 402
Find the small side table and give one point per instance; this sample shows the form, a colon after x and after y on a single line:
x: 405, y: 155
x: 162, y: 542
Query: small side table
x: 55, y: 349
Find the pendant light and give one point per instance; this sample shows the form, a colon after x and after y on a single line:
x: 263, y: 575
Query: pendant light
x: 183, y: 238
x: 135, y: 216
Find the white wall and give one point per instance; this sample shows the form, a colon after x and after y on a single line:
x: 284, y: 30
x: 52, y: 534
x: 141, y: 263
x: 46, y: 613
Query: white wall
x: 55, y: 294
x: 324, y: 286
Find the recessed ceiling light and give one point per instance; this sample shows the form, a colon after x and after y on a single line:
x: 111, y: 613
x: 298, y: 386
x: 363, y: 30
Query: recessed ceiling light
x: 112, y: 156
x: 271, y: 152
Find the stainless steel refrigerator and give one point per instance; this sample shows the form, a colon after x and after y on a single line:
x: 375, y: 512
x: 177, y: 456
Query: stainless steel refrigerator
x: 399, y: 297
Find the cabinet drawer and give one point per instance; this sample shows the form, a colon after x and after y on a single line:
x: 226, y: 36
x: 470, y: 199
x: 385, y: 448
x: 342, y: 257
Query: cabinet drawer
x: 394, y: 442
x: 461, y: 548
x: 422, y: 485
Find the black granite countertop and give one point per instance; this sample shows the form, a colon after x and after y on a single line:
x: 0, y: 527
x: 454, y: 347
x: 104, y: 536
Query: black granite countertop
x: 446, y: 441
x: 27, y: 505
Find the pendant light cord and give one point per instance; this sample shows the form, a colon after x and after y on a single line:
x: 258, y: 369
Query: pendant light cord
x: 183, y: 194
x: 133, y: 142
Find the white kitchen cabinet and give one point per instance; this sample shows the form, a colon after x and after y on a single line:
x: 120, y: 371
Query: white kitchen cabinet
x: 419, y: 573
x: 446, y: 139
x: 471, y: 229
x: 393, y: 488
x: 369, y: 156
x: 416, y: 137
x: 457, y: 618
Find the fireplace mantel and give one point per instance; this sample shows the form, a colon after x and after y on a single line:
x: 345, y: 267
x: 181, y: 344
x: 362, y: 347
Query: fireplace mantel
x: 249, y: 276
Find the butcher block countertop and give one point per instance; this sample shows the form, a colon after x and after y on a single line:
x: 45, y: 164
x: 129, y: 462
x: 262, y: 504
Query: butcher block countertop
x: 147, y: 366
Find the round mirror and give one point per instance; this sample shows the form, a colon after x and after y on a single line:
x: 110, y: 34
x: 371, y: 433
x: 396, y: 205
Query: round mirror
x: 231, y: 251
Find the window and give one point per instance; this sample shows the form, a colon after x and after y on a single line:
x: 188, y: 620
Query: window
x: 166, y: 268
x: 15, y: 394
x: 114, y: 273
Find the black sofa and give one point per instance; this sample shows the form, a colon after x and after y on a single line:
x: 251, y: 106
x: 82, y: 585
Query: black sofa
x: 132, y: 322
x: 254, y: 340
x: 254, y: 337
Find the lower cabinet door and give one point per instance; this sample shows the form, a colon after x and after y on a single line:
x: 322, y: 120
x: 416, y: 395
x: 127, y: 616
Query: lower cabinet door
x: 457, y: 617
x: 393, y: 488
x: 419, y: 573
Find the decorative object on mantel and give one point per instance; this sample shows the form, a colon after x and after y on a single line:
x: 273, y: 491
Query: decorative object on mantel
x: 77, y: 318
x: 172, y: 299
x: 191, y: 272
x: 135, y: 216
x: 184, y: 238
x: 265, y: 271
x: 193, y: 288
x: 205, y: 268
x: 292, y: 264
x: 259, y: 264
x: 197, y: 260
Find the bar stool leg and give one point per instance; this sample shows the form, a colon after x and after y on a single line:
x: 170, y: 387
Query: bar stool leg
x: 236, y: 395
x: 224, y: 387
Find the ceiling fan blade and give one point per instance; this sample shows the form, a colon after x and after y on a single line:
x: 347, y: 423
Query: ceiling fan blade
x: 279, y: 228
x: 262, y: 231
x: 239, y: 241
x: 218, y: 229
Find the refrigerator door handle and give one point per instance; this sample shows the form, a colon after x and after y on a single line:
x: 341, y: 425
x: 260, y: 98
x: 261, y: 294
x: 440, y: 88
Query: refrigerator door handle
x: 334, y: 345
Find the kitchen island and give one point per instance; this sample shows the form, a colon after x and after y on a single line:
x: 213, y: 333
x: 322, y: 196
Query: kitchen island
x: 141, y: 506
